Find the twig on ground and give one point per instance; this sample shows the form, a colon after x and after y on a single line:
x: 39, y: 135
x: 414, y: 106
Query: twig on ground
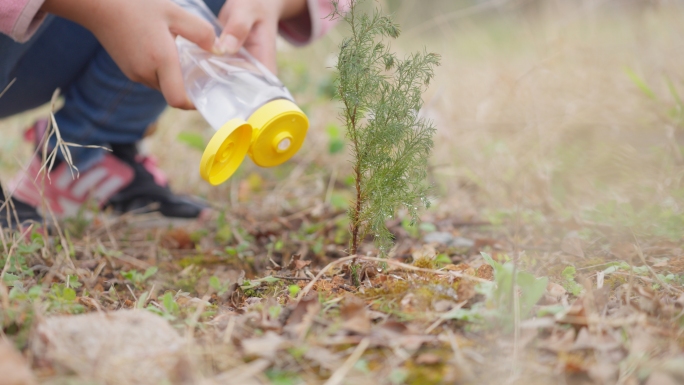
x: 308, y: 287
x: 4, y: 297
x: 130, y: 260
x: 664, y: 284
x: 109, y: 233
x: 515, y: 371
x: 293, y: 278
x: 192, y: 322
x: 243, y: 373
x: 228, y: 333
x: 341, y: 372
x: 331, y: 186
x: 458, y: 357
x: 132, y: 293
x: 442, y: 319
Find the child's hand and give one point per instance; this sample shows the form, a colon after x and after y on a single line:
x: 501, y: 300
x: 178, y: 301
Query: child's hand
x: 254, y: 24
x: 140, y: 36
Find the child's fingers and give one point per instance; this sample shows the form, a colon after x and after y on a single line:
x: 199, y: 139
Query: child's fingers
x: 193, y: 28
x: 262, y: 43
x: 236, y: 30
x: 171, y: 83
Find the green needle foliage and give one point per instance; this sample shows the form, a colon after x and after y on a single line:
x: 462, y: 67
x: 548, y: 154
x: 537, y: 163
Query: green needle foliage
x: 389, y: 141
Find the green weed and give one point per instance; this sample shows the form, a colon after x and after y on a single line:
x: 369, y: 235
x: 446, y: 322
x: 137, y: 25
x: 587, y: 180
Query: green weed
x: 137, y: 278
x: 569, y: 282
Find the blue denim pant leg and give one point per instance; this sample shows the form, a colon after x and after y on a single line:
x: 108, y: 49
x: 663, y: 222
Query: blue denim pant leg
x: 101, y: 105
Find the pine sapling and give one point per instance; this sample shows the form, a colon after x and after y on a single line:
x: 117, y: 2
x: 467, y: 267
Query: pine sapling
x: 389, y: 142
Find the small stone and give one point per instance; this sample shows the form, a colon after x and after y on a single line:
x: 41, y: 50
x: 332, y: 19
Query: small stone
x: 447, y: 239
x: 120, y: 347
x: 428, y: 359
x: 13, y: 366
x: 443, y: 305
x: 462, y: 242
x: 439, y: 237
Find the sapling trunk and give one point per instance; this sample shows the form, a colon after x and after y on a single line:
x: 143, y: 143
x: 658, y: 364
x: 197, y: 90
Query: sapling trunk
x: 389, y: 142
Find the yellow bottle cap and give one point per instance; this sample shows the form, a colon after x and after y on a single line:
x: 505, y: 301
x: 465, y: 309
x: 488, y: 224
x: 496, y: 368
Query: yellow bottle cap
x: 279, y: 131
x: 225, y: 151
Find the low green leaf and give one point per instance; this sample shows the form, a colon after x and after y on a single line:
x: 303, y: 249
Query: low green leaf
x: 336, y: 146
x: 442, y: 259
x: 569, y: 282
x: 334, y: 131
x: 10, y: 278
x: 294, y: 290
x: 72, y: 281
x: 142, y: 300
x: 428, y: 227
x: 129, y: 275
x: 69, y: 294
x: 269, y: 279
x: 150, y: 272
x: 215, y: 283
x: 640, y: 83
x: 278, y: 245
x: 169, y: 303
x: 339, y: 201
x: 532, y: 289
x: 467, y: 315
x: 192, y: 139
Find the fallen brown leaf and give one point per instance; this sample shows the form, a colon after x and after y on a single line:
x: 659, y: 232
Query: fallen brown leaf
x: 302, y: 317
x: 324, y: 358
x: 299, y: 264
x: 266, y: 346
x: 355, y: 315
x: 554, y: 293
x: 561, y: 341
x: 577, y: 314
x: 177, y: 238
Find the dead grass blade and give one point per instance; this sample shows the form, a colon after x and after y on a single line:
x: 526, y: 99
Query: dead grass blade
x: 341, y: 372
x: 243, y: 373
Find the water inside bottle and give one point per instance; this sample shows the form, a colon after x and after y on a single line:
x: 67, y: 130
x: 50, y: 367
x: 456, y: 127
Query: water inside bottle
x: 229, y: 86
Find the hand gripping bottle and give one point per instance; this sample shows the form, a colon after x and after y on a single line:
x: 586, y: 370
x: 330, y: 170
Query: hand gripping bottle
x: 250, y: 109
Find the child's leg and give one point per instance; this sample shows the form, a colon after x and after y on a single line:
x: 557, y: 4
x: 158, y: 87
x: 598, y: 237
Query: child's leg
x: 52, y: 59
x: 101, y: 106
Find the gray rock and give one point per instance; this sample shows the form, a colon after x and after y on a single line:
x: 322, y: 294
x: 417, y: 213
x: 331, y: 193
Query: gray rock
x: 440, y: 237
x: 462, y: 242
x: 121, y: 347
x: 444, y: 238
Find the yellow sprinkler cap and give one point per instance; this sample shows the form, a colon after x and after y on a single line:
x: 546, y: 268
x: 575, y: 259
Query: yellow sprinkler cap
x: 279, y: 131
x: 225, y: 151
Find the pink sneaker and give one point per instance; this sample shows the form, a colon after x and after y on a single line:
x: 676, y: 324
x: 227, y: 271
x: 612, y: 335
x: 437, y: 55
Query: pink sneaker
x: 123, y: 180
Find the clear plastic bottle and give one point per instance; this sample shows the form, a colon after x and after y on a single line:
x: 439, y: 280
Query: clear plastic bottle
x: 239, y: 97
